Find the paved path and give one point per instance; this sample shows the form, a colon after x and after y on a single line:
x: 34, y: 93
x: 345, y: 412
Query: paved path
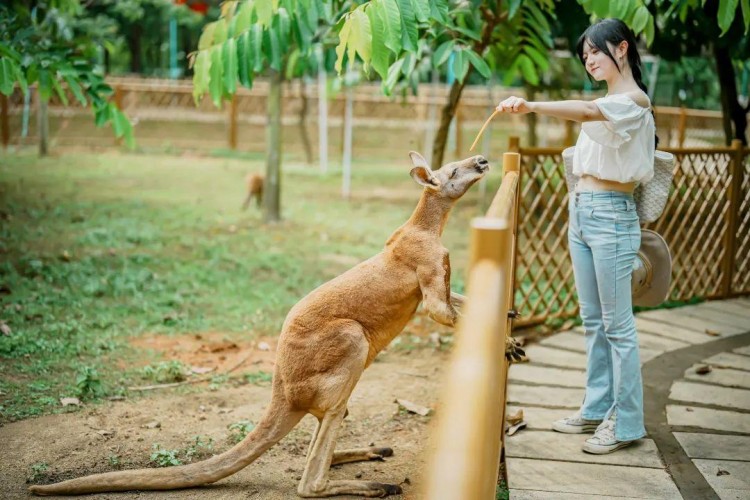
x: 698, y: 424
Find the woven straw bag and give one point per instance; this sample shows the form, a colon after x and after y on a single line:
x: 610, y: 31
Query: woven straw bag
x: 650, y: 197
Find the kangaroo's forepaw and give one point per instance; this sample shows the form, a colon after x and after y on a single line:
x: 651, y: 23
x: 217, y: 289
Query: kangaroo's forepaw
x: 513, y: 351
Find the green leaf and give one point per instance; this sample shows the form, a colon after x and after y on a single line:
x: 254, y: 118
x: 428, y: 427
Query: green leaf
x: 513, y: 8
x: 619, y: 9
x: 230, y: 65
x: 272, y: 48
x: 539, y: 59
x: 393, y: 73
x: 600, y: 8
x: 291, y: 64
x: 727, y: 10
x: 746, y: 13
x: 282, y: 24
x: 216, y: 84
x: 640, y: 19
x: 59, y: 90
x: 422, y: 10
x: 7, y: 75
x: 220, y: 32
x: 343, y: 40
x: 391, y: 16
x: 527, y: 69
x: 467, y: 33
x: 207, y: 37
x: 245, y: 60
x: 201, y: 74
x: 442, y: 53
x: 460, y: 65
x: 75, y: 87
x: 409, y: 34
x: 102, y: 114
x: 256, y: 47
x: 360, y: 36
x: 649, y: 31
x: 264, y: 11
x: 122, y: 126
x: 439, y: 9
x: 244, y: 18
x: 380, y: 56
x: 479, y: 63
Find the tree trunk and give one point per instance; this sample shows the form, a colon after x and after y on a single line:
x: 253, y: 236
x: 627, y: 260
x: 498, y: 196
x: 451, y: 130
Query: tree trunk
x: 446, y: 116
x: 272, y: 188
x: 43, y: 127
x: 532, y: 119
x: 304, y: 134
x: 134, y: 45
x: 732, y: 112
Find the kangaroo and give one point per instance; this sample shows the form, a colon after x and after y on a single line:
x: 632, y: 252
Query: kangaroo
x: 326, y: 342
x: 254, y: 186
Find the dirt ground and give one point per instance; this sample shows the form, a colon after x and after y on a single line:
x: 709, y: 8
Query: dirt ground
x: 84, y: 442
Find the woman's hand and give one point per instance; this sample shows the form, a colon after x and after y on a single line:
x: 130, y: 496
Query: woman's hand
x: 517, y: 105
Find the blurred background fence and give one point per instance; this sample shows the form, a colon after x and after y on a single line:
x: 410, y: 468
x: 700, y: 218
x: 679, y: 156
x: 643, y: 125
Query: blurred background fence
x: 165, y: 117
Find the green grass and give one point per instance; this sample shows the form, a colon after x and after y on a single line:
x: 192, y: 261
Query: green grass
x: 100, y: 249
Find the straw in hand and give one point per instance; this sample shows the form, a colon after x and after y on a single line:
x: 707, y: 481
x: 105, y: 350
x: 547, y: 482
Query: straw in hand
x: 481, y: 131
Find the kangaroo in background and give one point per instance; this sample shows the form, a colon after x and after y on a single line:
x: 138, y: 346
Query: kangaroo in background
x: 254, y: 187
x: 326, y: 342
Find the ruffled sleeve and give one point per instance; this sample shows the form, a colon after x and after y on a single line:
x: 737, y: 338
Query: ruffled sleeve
x: 624, y: 117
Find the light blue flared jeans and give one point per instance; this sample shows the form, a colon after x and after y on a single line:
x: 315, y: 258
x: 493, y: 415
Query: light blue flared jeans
x: 604, y: 237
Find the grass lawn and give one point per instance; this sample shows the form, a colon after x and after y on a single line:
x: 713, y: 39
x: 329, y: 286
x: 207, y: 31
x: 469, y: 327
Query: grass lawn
x: 100, y: 249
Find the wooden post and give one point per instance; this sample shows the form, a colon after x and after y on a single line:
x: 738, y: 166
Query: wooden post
x: 4, y: 120
x: 735, y: 199
x: 346, y: 183
x: 233, y: 123
x: 118, y: 102
x: 514, y: 145
x: 681, y: 126
x: 322, y: 114
x: 459, y: 130
x: 43, y: 126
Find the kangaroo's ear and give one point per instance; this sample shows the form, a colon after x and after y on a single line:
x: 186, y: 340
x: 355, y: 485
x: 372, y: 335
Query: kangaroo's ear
x: 418, y: 160
x: 423, y: 176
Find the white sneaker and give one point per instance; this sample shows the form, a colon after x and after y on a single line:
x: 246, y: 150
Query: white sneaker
x: 604, y: 441
x: 575, y: 424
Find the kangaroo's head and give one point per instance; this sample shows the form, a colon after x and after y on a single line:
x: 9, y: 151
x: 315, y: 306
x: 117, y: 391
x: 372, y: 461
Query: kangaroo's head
x: 451, y: 180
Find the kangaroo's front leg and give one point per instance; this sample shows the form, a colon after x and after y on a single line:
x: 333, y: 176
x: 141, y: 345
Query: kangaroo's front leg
x: 435, y: 283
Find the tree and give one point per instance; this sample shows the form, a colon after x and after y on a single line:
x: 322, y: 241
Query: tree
x: 50, y: 44
x: 263, y: 37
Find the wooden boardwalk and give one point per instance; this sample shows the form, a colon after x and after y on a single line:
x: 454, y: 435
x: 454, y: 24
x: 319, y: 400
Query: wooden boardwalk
x: 705, y: 419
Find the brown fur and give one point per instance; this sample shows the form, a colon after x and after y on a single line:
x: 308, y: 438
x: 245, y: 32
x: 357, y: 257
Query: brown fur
x: 254, y: 187
x: 327, y: 340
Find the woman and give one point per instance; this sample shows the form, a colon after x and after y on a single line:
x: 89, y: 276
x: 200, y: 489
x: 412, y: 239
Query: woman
x: 615, y: 150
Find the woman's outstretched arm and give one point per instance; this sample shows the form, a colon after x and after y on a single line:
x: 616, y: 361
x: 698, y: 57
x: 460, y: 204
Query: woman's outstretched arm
x: 580, y: 111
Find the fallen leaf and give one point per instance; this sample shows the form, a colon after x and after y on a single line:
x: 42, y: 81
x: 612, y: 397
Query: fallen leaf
x: 689, y: 409
x: 202, y: 369
x: 516, y: 418
x: 263, y: 346
x: 65, y: 256
x: 703, y: 369
x: 153, y: 425
x: 105, y: 432
x: 722, y: 472
x: 712, y: 333
x: 70, y: 401
x: 413, y: 407
x: 4, y: 328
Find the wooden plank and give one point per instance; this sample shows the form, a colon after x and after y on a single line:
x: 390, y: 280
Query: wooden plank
x: 715, y: 446
x: 726, y: 377
x: 708, y: 418
x: 710, y: 395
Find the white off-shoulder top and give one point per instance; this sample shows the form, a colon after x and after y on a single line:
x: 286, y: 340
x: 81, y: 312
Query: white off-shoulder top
x: 620, y: 149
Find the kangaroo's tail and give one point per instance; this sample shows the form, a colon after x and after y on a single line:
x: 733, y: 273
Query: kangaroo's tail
x: 278, y: 420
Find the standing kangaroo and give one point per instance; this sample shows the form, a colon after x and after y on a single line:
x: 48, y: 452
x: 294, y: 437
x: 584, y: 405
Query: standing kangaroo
x: 326, y: 342
x: 254, y: 186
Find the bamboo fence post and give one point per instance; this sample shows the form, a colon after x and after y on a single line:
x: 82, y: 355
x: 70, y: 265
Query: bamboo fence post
x: 514, y: 145
x: 681, y: 126
x: 735, y: 199
x: 4, y: 120
x: 233, y: 123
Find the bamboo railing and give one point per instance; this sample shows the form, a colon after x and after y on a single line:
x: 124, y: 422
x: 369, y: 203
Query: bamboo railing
x: 469, y: 437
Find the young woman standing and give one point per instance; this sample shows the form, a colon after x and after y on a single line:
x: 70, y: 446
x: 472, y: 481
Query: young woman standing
x: 614, y: 152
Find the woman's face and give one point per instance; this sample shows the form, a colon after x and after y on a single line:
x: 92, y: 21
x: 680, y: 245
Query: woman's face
x: 598, y: 64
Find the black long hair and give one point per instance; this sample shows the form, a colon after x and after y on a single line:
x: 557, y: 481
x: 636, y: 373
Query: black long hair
x: 615, y: 32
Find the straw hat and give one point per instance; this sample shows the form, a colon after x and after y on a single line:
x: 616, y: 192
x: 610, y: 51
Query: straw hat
x: 652, y: 270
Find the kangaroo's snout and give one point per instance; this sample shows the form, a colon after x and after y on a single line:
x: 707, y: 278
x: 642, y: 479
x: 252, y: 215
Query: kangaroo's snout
x: 481, y: 163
